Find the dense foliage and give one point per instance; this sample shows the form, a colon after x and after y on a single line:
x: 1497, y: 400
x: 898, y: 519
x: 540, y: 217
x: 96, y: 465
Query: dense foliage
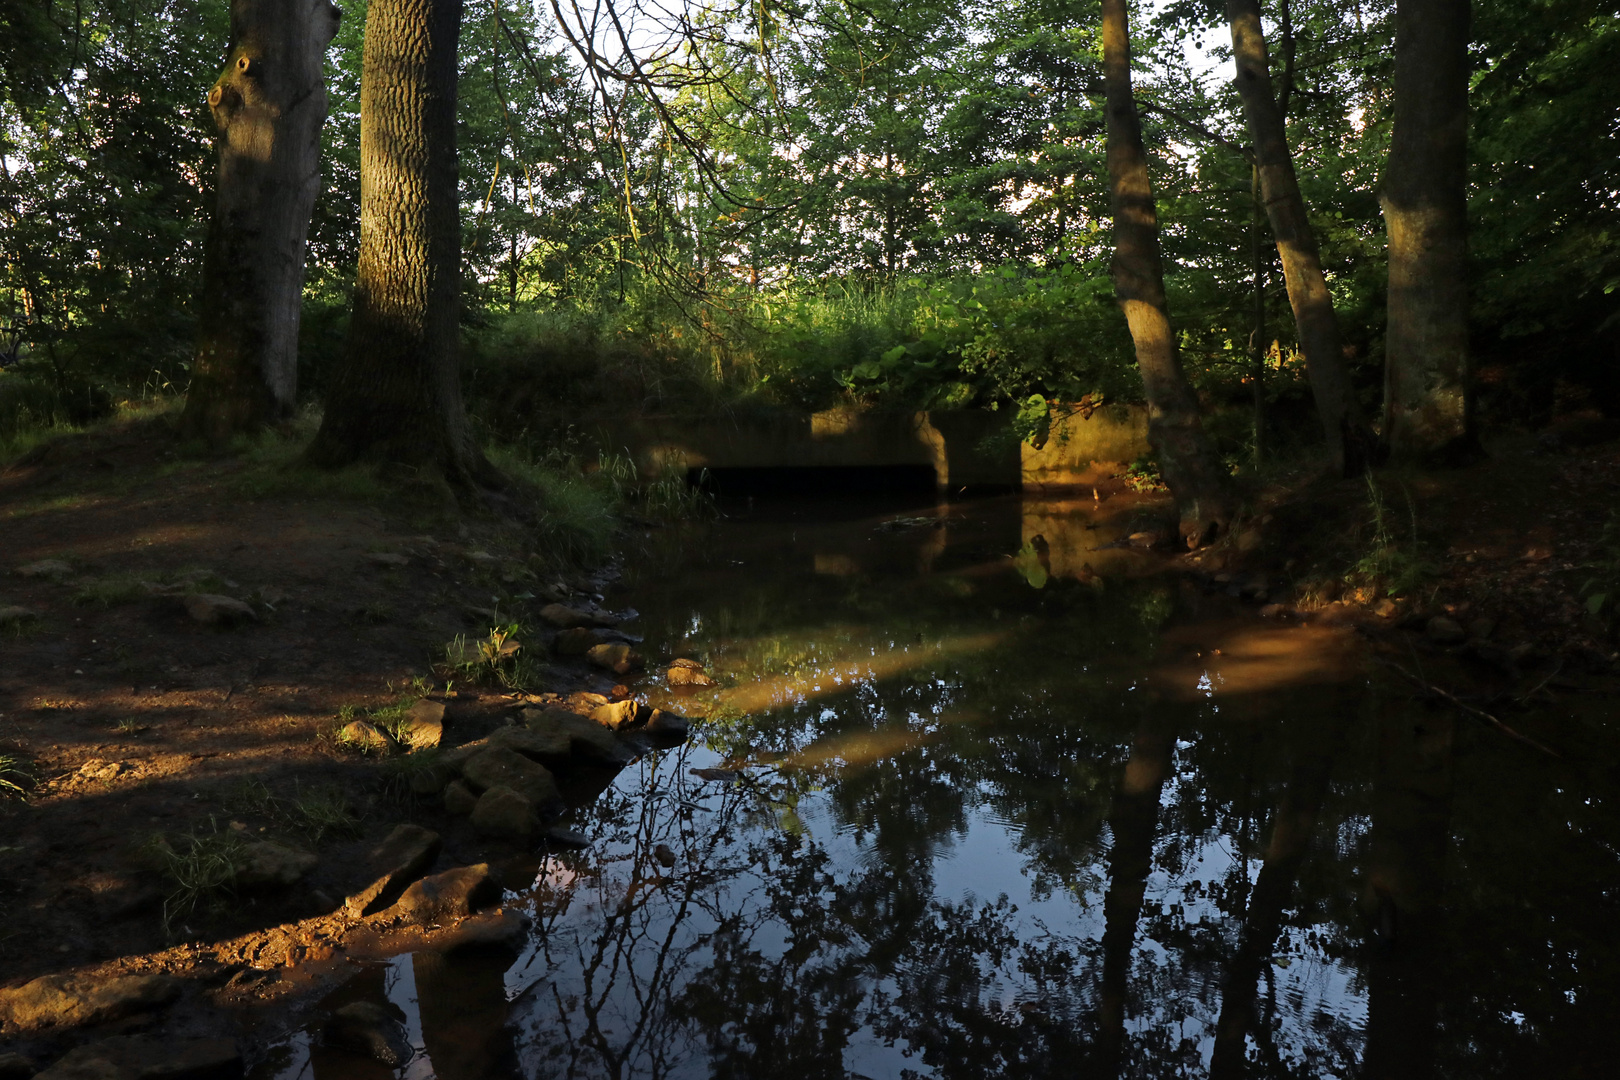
x: 799, y: 201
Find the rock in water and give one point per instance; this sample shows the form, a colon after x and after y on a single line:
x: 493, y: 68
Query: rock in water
x: 668, y: 723
x: 558, y: 836
x: 617, y: 716
x: 498, y: 767
x: 399, y: 860
x: 1444, y: 631
x: 423, y: 726
x: 459, y: 799
x: 564, y: 617
x: 452, y: 895
x: 363, y: 1027
x: 75, y: 1000
x: 616, y: 657
x: 210, y: 609
x: 544, y: 746
x: 686, y: 676
x: 503, y: 813
x: 140, y: 1057
x: 575, y: 642
x: 586, y: 738
x: 272, y: 865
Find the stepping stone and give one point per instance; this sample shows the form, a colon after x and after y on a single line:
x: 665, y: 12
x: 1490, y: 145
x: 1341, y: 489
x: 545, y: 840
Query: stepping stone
x: 393, y: 864
x: 76, y: 1000
x: 452, y: 895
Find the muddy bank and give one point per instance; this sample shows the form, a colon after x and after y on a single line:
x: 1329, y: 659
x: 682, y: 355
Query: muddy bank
x: 215, y: 711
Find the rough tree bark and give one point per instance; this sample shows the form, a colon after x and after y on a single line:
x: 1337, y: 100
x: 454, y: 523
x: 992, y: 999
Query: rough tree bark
x: 1175, y: 431
x: 1349, y: 438
x: 268, y: 105
x: 1427, y: 392
x: 396, y: 395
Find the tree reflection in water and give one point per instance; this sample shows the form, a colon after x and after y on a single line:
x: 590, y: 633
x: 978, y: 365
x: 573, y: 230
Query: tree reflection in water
x: 1083, y: 844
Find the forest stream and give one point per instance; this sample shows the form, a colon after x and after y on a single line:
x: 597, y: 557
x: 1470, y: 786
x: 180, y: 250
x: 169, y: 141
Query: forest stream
x: 981, y: 792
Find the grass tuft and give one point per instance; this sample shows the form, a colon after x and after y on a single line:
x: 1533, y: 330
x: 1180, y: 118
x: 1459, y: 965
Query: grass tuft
x: 16, y: 777
x: 1390, y: 563
x: 202, y: 871
x: 319, y: 813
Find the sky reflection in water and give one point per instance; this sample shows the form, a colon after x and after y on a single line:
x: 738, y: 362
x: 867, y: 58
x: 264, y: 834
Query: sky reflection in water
x: 978, y: 828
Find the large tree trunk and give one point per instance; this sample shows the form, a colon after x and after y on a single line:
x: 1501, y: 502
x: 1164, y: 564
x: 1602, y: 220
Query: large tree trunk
x: 1427, y: 396
x: 269, y: 105
x: 1190, y: 469
x: 396, y: 396
x: 1349, y: 439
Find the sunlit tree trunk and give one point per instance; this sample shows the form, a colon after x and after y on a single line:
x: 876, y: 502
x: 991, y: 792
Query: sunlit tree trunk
x: 1258, y: 345
x: 396, y: 396
x: 1175, y: 431
x: 1427, y: 396
x: 1349, y: 439
x: 268, y: 106
x: 1133, y: 822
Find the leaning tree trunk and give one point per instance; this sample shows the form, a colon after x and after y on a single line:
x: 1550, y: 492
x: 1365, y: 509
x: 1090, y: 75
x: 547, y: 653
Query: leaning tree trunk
x: 269, y: 105
x: 1348, y: 437
x: 396, y: 395
x: 1190, y: 468
x: 1427, y: 396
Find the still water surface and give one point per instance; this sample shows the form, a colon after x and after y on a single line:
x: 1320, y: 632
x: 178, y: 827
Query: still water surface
x: 981, y: 796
